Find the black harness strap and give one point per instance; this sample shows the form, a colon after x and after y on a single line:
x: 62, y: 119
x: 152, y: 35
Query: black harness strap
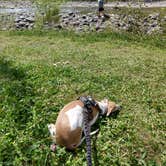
x: 89, y: 102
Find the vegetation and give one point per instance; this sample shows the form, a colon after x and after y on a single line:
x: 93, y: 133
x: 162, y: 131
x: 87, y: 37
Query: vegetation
x: 41, y: 71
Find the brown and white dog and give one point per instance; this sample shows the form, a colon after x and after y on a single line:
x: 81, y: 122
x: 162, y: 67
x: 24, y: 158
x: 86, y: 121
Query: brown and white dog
x: 68, y: 129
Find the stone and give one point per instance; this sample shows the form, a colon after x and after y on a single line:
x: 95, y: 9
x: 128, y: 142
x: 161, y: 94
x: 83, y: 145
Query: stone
x: 30, y: 19
x: 76, y: 23
x: 17, y: 20
x: 21, y: 23
x: 85, y: 23
x: 84, y: 16
x: 154, y: 16
x: 66, y: 22
x: 154, y: 24
x: 91, y: 22
x: 153, y: 30
x: 70, y: 13
x: 58, y: 26
x: 22, y: 17
x: 94, y: 19
x: 65, y: 16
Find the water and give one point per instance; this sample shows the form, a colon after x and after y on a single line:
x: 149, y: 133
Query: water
x: 83, y: 7
x: 79, y: 7
x: 16, y: 10
x: 69, y: 9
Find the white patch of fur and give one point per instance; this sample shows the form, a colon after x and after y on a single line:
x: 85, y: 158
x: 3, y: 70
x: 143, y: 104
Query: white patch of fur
x: 75, y: 116
x: 94, y: 119
x: 103, y: 106
x: 52, y: 129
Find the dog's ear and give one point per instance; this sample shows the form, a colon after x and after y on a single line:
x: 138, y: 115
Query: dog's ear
x: 111, y: 108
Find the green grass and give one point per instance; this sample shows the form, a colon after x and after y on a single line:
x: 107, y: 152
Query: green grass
x: 42, y: 71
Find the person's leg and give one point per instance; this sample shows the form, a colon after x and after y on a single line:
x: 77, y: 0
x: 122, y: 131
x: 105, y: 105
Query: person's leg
x: 101, y: 8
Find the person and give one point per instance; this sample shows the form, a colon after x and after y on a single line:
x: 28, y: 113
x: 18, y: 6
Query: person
x: 101, y: 8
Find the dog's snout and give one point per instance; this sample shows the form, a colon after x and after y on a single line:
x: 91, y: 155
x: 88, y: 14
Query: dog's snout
x: 118, y: 107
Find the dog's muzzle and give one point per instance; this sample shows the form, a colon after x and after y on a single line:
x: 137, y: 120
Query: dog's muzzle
x: 118, y: 108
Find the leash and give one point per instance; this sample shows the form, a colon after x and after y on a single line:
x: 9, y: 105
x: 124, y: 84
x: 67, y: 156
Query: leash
x: 87, y: 137
x: 88, y: 102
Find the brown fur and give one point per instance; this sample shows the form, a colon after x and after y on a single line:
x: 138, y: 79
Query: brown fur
x: 64, y: 135
x: 70, y: 139
x: 111, y: 107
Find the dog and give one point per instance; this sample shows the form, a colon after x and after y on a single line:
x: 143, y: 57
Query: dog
x: 69, y: 126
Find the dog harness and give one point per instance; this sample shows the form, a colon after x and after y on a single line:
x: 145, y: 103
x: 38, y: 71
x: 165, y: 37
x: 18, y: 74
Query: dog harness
x: 89, y: 102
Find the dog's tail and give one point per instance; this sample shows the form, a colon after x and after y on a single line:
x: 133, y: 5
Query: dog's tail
x: 87, y: 137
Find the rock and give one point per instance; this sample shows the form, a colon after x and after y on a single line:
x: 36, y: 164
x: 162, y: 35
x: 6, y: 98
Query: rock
x: 154, y: 24
x: 153, y: 30
x: 91, y: 22
x: 21, y: 23
x: 65, y: 16
x: 17, y: 20
x: 76, y: 23
x: 70, y: 13
x: 30, y: 19
x: 24, y: 21
x: 94, y: 19
x: 66, y: 22
x: 58, y: 26
x: 84, y: 16
x: 22, y: 17
x: 154, y: 16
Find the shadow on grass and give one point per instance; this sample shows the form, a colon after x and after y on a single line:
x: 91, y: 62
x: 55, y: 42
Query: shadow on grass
x: 115, y: 114
x: 16, y: 93
x: 16, y: 102
x: 8, y: 70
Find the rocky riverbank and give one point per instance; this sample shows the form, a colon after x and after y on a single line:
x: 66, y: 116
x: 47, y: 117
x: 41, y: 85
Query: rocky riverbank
x: 21, y: 15
x: 17, y: 15
x: 118, y: 22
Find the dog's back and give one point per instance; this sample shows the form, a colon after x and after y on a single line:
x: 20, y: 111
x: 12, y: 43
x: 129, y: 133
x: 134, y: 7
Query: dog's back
x: 69, y: 125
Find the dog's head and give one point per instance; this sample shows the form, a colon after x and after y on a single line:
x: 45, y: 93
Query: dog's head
x: 111, y: 106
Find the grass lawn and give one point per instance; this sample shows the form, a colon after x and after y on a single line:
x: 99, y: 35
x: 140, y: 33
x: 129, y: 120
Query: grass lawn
x: 42, y: 71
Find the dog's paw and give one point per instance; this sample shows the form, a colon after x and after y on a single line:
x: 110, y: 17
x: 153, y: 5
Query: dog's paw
x: 52, y: 129
x: 53, y: 147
